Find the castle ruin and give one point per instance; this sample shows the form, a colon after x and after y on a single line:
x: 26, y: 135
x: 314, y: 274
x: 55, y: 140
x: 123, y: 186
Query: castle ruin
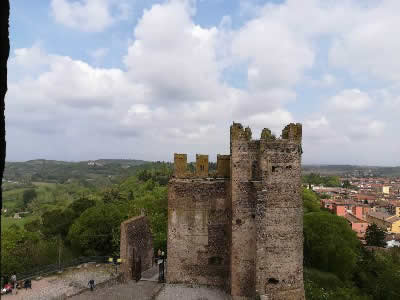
x: 241, y: 228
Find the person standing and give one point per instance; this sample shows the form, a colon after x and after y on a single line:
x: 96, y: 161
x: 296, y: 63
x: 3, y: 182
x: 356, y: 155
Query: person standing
x: 91, y: 284
x: 14, y: 282
x: 161, y: 267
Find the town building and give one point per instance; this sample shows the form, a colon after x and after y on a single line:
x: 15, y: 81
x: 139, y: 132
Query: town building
x: 358, y: 225
x: 385, y: 221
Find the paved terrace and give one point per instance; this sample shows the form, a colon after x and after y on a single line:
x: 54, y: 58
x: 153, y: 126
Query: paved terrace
x: 72, y: 284
x: 61, y: 286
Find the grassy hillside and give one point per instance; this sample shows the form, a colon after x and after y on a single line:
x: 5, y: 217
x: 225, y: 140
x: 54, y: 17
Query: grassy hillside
x: 60, y: 171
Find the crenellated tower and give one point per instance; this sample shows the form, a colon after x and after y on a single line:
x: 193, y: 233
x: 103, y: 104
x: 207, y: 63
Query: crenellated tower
x: 240, y: 228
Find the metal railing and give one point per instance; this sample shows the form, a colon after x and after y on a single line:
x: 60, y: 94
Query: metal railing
x: 48, y: 269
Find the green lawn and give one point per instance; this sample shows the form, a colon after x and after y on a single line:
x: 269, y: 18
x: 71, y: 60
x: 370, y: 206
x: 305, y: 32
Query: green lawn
x: 12, y: 198
x: 8, y: 221
x: 13, y: 192
x: 49, y: 184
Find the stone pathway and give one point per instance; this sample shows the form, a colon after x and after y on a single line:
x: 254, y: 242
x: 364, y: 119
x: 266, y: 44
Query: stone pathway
x: 191, y: 292
x: 141, y: 290
x: 150, y: 274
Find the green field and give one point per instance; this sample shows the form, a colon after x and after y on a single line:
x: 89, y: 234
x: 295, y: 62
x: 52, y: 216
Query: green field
x: 6, y: 222
x: 48, y: 184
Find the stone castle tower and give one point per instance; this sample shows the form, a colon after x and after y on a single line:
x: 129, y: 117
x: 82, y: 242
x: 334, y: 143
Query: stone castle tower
x: 241, y: 228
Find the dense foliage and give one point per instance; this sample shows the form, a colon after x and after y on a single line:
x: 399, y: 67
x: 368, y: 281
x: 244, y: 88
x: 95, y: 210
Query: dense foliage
x: 310, y: 201
x: 375, y: 236
x: 330, y: 244
x: 317, y: 179
x: 337, y: 266
x: 80, y: 219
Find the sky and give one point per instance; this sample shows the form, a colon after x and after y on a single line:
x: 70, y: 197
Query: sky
x: 141, y: 79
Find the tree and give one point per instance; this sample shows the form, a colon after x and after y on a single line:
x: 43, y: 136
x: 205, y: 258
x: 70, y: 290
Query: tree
x: 28, y: 196
x: 80, y: 205
x: 93, y: 232
x: 378, y: 273
x: 310, y: 201
x: 375, y: 236
x: 57, y: 222
x: 332, y: 181
x: 330, y: 244
x: 144, y: 175
x: 17, y: 248
x: 112, y: 195
x: 33, y: 226
x: 346, y: 184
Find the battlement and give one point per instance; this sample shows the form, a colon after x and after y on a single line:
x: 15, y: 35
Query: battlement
x: 202, y: 166
x: 180, y: 165
x: 238, y: 132
x: 223, y: 165
x: 291, y: 132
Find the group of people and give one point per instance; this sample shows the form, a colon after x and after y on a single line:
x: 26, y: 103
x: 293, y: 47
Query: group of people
x: 13, y: 285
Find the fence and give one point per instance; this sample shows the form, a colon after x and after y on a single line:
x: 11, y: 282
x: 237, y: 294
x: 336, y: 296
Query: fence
x: 48, y: 269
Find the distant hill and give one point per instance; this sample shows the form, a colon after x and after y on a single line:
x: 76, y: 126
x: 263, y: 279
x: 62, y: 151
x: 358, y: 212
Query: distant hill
x: 60, y: 171
x: 352, y: 170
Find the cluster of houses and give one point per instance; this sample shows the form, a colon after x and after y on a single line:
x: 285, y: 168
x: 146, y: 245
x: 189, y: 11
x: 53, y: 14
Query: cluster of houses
x: 370, y: 201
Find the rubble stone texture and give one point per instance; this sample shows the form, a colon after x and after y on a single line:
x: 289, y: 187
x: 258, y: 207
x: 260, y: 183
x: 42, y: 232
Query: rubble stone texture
x: 241, y: 230
x: 136, y: 245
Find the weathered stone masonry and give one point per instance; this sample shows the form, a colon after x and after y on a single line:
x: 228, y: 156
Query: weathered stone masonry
x: 136, y: 247
x: 241, y: 228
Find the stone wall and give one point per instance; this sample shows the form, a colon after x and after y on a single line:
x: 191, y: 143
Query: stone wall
x: 223, y: 166
x: 243, y: 245
x: 243, y: 230
x: 136, y: 245
x: 198, y: 224
x: 279, y: 219
x: 201, y: 166
x: 180, y: 165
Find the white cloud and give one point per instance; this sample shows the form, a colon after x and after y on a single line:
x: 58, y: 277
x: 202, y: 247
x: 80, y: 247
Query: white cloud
x: 277, y: 56
x: 350, y: 100
x: 99, y: 53
x: 275, y: 120
x: 316, y: 123
x: 369, y: 46
x: 173, y: 91
x: 173, y: 55
x: 89, y: 15
x: 29, y: 58
x: 323, y: 82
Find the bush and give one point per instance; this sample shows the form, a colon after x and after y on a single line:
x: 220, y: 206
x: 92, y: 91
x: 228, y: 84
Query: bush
x: 330, y: 245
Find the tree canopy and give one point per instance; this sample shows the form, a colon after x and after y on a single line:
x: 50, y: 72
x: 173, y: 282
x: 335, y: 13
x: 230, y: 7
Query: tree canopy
x: 375, y: 236
x: 330, y: 244
x: 317, y: 179
x: 310, y: 201
x: 28, y: 196
x: 93, y: 231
